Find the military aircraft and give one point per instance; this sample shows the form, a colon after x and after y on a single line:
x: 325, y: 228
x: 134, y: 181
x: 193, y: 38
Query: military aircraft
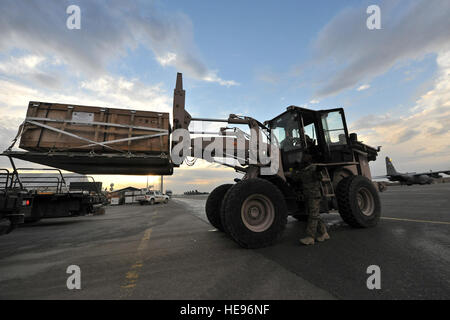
x: 410, y: 178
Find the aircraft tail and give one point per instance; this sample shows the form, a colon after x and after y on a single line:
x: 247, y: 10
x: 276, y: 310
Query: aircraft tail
x: 390, y: 170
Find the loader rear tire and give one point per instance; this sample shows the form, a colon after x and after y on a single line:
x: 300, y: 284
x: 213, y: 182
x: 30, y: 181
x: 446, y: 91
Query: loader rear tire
x: 254, y: 213
x: 214, y: 204
x: 358, y: 202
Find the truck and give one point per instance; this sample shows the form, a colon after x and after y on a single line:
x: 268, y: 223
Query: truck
x: 152, y: 197
x: 252, y: 210
x: 31, y: 194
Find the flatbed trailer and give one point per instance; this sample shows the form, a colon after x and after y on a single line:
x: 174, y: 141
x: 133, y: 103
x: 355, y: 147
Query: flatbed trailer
x: 49, y: 196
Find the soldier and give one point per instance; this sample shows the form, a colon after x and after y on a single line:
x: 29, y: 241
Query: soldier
x: 312, y: 197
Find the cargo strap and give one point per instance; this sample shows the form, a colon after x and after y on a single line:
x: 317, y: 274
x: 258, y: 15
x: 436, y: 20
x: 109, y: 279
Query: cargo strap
x: 98, y: 123
x: 67, y: 133
x: 33, y: 120
x: 105, y: 143
x: 68, y: 116
x: 18, y: 135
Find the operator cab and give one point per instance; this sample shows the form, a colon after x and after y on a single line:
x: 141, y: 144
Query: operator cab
x: 321, y: 134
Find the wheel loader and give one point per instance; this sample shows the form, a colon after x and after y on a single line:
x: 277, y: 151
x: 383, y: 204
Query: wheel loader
x: 254, y: 209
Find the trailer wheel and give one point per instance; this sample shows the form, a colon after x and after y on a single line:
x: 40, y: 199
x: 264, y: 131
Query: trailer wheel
x: 254, y: 213
x: 214, y: 205
x: 358, y: 201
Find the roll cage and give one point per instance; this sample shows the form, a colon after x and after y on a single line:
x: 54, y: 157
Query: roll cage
x: 324, y: 133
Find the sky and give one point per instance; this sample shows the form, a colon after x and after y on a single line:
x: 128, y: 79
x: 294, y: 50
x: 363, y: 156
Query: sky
x: 245, y: 57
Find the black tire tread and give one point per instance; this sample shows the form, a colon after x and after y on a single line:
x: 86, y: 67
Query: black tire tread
x: 236, y: 195
x: 344, y: 191
x: 214, y: 205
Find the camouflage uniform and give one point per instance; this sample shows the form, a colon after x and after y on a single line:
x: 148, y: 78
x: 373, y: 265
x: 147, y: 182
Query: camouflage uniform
x: 312, y: 196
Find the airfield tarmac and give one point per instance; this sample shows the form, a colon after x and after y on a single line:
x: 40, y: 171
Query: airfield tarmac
x: 171, y: 252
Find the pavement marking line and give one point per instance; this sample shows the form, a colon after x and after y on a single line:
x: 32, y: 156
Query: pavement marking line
x: 414, y: 220
x: 132, y: 276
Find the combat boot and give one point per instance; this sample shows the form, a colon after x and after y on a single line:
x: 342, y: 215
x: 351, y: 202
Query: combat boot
x: 307, y: 241
x: 323, y: 237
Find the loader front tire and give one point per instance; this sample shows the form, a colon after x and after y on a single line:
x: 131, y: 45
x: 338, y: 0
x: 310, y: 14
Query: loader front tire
x: 214, y: 204
x: 358, y: 201
x: 254, y: 213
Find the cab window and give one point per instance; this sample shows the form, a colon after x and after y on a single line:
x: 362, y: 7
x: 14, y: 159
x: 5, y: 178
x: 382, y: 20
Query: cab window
x: 333, y: 128
x: 310, y: 134
x: 286, y: 130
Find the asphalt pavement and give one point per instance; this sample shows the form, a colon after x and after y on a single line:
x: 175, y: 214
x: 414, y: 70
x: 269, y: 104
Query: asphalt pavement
x: 169, y: 251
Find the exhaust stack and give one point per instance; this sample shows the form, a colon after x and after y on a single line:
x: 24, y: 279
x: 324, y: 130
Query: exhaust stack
x: 181, y: 118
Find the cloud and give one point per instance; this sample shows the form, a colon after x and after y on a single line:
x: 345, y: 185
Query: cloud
x: 21, y: 65
x: 373, y: 121
x: 168, y: 59
x: 108, y: 31
x: 363, y: 87
x: 420, y: 136
x: 405, y: 135
x: 212, y: 77
x: 443, y: 129
x: 410, y: 30
x: 120, y: 92
x: 29, y: 67
x: 14, y: 98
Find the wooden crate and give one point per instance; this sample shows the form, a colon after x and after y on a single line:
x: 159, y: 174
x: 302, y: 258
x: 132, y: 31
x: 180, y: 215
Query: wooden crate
x: 63, y: 127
